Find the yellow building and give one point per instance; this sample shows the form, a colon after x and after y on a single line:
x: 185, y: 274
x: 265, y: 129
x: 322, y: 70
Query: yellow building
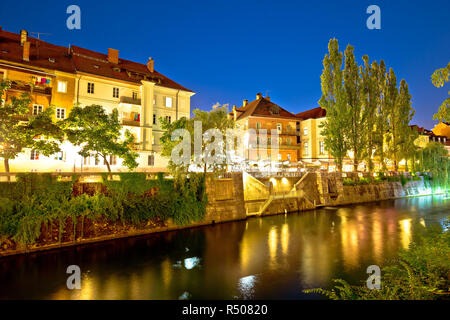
x: 262, y: 116
x: 61, y: 77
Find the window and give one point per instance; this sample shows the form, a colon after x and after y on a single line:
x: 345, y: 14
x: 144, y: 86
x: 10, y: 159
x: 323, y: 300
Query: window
x: 288, y: 141
x: 168, y: 102
x: 37, y: 109
x: 112, y: 160
x: 154, y: 118
x: 279, y: 127
x: 279, y: 157
x: 86, y: 161
x: 135, y: 95
x: 90, y: 88
x: 306, y: 148
x: 34, y: 155
x: 305, y: 131
x: 322, y: 147
x: 60, y: 113
x: 258, y: 125
x: 169, y: 119
x: 62, y: 86
x: 154, y: 100
x: 289, y: 156
x: 115, y: 92
x: 151, y: 160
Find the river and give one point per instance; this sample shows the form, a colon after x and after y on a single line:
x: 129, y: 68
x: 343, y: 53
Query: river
x: 272, y: 257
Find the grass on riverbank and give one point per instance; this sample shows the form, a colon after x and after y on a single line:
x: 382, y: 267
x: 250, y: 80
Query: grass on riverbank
x: 35, y: 203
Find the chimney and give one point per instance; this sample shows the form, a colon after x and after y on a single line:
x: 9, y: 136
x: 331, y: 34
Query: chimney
x: 23, y: 37
x: 113, y: 56
x: 151, y: 64
x: 258, y: 95
x: 234, y: 113
x: 26, y: 51
x: 245, y: 103
x: 267, y: 98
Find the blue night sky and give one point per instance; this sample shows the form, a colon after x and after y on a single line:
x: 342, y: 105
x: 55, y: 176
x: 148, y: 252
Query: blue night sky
x: 227, y: 51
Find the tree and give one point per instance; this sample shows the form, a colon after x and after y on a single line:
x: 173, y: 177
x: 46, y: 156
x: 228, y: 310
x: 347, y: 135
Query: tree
x: 408, y: 149
x: 217, y: 118
x: 19, y: 129
x: 99, y: 135
x: 353, y: 89
x: 400, y: 113
x: 334, y: 101
x: 370, y: 93
x: 439, y: 78
x: 381, y: 125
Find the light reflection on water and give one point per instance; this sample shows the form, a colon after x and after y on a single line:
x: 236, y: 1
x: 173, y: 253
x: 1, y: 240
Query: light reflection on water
x: 272, y: 257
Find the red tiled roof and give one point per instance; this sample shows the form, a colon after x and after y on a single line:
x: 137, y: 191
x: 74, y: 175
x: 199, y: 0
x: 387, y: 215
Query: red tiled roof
x: 40, y: 53
x: 79, y: 59
x: 96, y: 63
x: 315, y: 113
x: 263, y: 108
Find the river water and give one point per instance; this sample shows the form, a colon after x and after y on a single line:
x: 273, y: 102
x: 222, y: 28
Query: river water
x: 262, y: 258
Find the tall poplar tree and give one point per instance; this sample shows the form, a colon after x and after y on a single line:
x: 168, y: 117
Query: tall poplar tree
x: 381, y: 126
x: 370, y: 93
x: 334, y: 101
x: 353, y: 88
x: 394, y: 119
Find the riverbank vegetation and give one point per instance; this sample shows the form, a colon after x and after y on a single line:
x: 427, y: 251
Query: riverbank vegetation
x: 38, y: 204
x: 421, y: 272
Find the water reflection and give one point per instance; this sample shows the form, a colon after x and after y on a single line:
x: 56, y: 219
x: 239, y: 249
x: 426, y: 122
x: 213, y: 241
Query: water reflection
x: 270, y: 257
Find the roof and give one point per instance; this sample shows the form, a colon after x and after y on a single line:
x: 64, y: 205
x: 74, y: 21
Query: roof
x: 96, y: 63
x: 40, y: 53
x: 263, y: 107
x: 315, y: 113
x: 76, y: 59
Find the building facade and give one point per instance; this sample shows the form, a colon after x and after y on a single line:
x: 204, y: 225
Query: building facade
x: 62, y: 77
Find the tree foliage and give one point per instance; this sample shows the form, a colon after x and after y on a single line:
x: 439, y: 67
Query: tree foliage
x: 334, y: 101
x: 217, y: 118
x: 98, y: 134
x: 439, y: 78
x: 19, y: 129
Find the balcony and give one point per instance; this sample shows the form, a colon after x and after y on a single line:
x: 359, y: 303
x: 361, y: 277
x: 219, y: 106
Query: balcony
x: 24, y: 87
x: 132, y: 123
x: 130, y: 100
x: 131, y: 119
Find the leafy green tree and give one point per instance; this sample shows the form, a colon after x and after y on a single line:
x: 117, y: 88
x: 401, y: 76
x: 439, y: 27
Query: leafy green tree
x: 99, y: 135
x: 19, y: 129
x: 437, y: 162
x: 354, y: 93
x: 400, y: 113
x: 334, y: 101
x: 381, y: 125
x: 217, y: 118
x: 370, y: 94
x: 439, y: 78
x: 408, y: 149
